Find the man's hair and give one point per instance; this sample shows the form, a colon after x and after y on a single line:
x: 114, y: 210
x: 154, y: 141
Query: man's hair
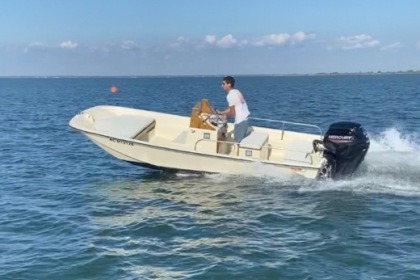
x: 229, y: 80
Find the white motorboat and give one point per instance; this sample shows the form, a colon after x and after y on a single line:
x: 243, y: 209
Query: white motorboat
x: 204, y: 142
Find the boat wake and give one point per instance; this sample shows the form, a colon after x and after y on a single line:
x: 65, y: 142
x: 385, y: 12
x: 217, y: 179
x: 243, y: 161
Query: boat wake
x: 391, y: 167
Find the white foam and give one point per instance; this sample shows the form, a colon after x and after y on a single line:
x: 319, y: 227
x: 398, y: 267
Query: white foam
x: 393, y: 140
x: 392, y: 166
x: 394, y: 150
x: 186, y: 174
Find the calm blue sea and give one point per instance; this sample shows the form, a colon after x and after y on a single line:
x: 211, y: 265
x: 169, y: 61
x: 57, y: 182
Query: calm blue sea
x: 71, y: 211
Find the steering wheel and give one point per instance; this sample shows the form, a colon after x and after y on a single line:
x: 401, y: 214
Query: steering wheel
x: 217, y: 120
x: 214, y: 118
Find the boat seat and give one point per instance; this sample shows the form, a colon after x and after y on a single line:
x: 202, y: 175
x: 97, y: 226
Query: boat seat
x: 124, y: 126
x: 255, y: 140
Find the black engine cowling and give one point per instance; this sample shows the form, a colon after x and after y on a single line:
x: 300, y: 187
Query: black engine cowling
x: 345, y: 145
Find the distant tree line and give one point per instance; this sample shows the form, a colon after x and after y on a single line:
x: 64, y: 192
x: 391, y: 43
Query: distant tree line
x: 371, y: 72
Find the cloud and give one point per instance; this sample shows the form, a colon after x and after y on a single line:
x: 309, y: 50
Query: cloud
x: 392, y: 47
x: 302, y: 36
x: 39, y: 46
x: 35, y: 46
x: 210, y: 39
x: 272, y: 40
x: 227, y: 41
x: 129, y: 45
x: 180, y: 41
x: 68, y: 45
x: 282, y: 39
x: 361, y: 41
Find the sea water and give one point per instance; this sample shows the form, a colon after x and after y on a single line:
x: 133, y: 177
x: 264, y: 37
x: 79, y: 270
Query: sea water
x: 71, y: 211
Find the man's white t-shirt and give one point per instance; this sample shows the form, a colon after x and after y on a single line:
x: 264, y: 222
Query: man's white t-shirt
x: 235, y: 98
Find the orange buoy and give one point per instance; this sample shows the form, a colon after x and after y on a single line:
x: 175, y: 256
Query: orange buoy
x: 113, y: 89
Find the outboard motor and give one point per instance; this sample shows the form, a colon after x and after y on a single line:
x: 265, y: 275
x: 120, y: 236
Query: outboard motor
x: 345, y: 145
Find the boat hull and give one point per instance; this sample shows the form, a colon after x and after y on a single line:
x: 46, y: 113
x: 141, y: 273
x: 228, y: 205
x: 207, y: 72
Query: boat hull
x: 158, y: 157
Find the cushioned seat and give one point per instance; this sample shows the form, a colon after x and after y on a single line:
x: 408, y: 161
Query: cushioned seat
x: 255, y: 140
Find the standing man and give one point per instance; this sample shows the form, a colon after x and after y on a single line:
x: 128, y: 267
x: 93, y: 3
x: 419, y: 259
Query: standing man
x: 237, y: 108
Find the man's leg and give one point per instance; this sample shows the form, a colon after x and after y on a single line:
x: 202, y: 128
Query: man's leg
x: 240, y: 131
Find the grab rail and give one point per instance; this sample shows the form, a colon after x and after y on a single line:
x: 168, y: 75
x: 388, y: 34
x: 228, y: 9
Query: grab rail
x: 217, y: 141
x: 293, y: 123
x: 237, y: 146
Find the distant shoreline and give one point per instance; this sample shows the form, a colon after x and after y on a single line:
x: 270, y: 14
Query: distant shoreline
x: 409, y: 72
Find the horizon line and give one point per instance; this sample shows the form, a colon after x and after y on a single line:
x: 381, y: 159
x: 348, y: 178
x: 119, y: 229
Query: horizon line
x: 215, y: 75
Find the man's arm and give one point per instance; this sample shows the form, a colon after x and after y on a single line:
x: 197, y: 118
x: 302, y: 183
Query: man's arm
x: 230, y: 111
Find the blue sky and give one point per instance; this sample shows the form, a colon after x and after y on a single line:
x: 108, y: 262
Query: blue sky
x: 213, y: 37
